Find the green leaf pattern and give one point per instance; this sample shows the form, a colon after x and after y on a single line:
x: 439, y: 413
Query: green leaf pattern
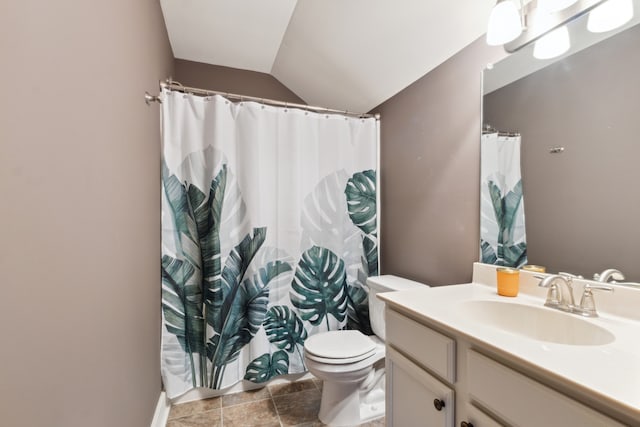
x: 318, y: 287
x: 502, y: 216
x: 361, y: 199
x: 216, y: 297
x: 284, y: 328
x: 362, y: 205
x: 508, y: 252
x: 267, y: 366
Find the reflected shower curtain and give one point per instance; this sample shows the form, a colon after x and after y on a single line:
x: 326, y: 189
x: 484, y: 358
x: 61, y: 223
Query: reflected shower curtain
x: 502, y: 231
x: 269, y: 231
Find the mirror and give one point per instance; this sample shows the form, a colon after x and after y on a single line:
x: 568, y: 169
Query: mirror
x: 582, y: 204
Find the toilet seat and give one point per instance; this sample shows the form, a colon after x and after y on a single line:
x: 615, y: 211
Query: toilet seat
x: 343, y: 361
x: 340, y: 347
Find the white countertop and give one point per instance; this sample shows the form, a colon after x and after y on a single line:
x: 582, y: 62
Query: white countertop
x: 609, y: 372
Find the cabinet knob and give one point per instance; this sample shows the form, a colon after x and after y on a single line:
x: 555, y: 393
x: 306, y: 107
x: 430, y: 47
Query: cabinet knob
x: 465, y: 424
x: 438, y: 404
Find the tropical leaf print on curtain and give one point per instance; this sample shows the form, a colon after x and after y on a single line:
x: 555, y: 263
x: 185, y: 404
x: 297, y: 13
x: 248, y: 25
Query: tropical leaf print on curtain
x: 182, y: 307
x: 243, y: 320
x: 284, y: 328
x: 267, y: 366
x: 286, y: 331
x: 253, y: 202
x: 505, y: 208
x: 360, y: 193
x: 196, y: 293
x: 502, y: 219
x: 325, y: 222
x: 318, y: 287
x: 190, y: 279
x: 244, y: 305
x: 361, y: 201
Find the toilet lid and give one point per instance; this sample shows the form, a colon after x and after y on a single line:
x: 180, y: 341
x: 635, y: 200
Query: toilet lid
x: 340, y: 345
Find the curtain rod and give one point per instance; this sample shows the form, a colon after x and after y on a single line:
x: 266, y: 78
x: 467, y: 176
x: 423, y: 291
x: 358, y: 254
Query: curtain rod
x: 510, y: 134
x: 176, y: 86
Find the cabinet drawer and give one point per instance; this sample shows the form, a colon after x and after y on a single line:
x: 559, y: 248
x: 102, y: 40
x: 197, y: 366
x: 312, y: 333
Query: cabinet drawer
x: 521, y: 401
x: 433, y: 350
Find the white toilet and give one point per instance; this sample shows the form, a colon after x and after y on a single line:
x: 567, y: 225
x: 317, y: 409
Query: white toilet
x: 351, y: 364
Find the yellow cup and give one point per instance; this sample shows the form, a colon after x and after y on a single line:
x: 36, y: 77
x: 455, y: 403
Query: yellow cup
x: 534, y: 268
x: 508, y: 281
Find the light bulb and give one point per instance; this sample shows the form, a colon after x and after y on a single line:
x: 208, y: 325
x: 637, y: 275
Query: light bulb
x: 552, y: 44
x: 610, y: 15
x: 504, y: 23
x: 554, y: 5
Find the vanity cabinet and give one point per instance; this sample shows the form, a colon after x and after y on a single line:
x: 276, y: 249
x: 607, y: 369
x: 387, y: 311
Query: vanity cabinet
x: 426, y: 366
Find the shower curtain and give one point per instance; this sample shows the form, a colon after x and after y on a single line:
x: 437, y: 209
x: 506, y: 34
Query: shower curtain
x: 502, y: 230
x: 269, y: 231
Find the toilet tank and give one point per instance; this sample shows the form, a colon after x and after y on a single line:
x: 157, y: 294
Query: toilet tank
x: 385, y: 283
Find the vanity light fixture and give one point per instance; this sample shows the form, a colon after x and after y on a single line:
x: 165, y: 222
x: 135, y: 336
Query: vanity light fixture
x: 555, y: 42
x: 519, y: 23
x: 610, y: 15
x: 552, y: 44
x: 505, y: 23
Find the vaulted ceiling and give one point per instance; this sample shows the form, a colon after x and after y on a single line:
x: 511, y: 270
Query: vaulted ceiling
x: 344, y: 54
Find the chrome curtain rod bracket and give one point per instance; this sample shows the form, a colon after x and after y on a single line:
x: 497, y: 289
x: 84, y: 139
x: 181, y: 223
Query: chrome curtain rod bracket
x: 170, y: 84
x: 148, y: 98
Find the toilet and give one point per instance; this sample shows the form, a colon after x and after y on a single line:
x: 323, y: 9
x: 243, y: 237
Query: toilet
x: 351, y: 364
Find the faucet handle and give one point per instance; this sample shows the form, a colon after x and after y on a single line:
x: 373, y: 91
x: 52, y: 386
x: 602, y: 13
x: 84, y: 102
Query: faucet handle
x: 587, y: 306
x: 553, y: 294
x: 589, y: 287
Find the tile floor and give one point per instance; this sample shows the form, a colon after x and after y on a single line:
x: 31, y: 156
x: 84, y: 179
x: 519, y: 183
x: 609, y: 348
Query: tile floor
x: 293, y: 404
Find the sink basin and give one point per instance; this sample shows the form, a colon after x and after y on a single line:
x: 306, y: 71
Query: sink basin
x: 538, y: 323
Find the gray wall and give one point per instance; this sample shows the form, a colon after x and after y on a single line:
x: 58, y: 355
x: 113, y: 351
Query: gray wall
x: 232, y: 80
x: 80, y: 186
x: 581, y: 206
x: 430, y: 170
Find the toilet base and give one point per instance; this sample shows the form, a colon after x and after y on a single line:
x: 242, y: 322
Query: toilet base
x: 349, y: 404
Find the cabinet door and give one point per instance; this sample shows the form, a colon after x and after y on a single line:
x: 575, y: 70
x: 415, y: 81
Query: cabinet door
x: 414, y: 397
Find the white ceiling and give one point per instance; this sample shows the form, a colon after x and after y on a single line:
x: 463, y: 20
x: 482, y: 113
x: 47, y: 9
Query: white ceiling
x: 344, y: 54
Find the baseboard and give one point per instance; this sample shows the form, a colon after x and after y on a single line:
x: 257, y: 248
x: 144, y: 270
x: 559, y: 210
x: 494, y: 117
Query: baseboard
x: 161, y: 415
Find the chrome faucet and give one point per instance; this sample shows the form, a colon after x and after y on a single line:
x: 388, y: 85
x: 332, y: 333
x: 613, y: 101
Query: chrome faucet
x: 555, y: 296
x: 557, y: 299
x: 609, y: 275
x: 587, y: 303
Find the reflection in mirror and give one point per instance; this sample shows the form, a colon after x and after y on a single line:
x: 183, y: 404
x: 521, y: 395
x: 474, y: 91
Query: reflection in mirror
x: 579, y: 121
